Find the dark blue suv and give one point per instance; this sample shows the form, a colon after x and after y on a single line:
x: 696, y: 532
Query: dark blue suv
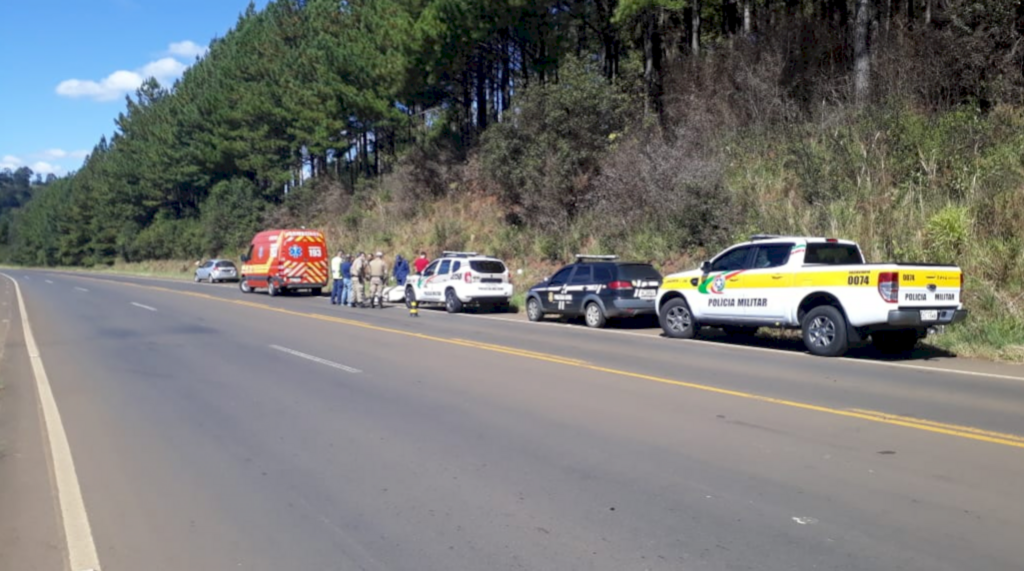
x: 598, y: 288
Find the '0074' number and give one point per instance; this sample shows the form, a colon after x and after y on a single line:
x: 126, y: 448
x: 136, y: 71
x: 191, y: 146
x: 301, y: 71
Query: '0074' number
x: 858, y: 280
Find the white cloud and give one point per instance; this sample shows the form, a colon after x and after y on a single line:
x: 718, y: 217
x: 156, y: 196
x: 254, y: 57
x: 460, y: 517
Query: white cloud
x: 10, y: 162
x: 187, y: 49
x: 54, y: 153
x: 122, y: 82
x: 44, y: 168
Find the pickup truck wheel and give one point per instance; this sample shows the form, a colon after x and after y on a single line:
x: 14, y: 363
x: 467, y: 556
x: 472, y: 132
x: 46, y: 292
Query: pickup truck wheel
x: 824, y: 330
x: 594, y: 316
x: 895, y: 342
x: 451, y: 302
x: 533, y: 310
x: 676, y: 319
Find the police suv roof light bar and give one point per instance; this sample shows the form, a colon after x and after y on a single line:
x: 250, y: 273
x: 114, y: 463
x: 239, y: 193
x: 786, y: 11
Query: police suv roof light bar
x: 757, y: 237
x: 595, y: 257
x: 450, y: 254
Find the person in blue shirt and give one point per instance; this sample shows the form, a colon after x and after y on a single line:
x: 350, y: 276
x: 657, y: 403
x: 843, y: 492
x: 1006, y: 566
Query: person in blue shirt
x: 346, y: 276
x: 401, y: 270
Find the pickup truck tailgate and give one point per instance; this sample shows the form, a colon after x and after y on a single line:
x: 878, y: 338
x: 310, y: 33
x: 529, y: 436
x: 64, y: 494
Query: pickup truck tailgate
x: 929, y: 287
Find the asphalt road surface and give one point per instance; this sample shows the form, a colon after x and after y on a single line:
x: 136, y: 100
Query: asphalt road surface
x: 212, y: 430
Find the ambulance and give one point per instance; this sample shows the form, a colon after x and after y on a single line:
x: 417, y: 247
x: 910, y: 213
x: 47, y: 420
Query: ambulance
x: 285, y: 260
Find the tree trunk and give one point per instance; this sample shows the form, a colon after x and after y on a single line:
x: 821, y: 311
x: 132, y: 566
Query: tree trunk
x: 506, y: 76
x: 695, y: 25
x: 481, y: 95
x: 861, y: 53
x: 910, y: 12
x: 928, y: 12
x: 746, y: 16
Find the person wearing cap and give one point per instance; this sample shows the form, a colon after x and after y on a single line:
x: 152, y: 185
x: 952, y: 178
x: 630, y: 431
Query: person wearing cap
x: 358, y: 272
x: 378, y: 272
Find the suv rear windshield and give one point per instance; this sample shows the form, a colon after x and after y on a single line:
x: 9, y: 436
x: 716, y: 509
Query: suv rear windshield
x: 833, y: 254
x: 631, y: 272
x: 225, y: 265
x: 487, y: 266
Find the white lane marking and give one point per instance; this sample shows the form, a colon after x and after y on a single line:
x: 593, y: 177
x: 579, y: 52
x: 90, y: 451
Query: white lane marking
x: 315, y: 359
x: 144, y: 306
x: 77, y: 531
x: 27, y: 278
x: 719, y: 345
x: 81, y: 289
x: 805, y: 520
x: 48, y: 281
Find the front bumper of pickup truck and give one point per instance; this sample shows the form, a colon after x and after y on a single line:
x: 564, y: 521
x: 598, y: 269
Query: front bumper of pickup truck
x: 912, y: 317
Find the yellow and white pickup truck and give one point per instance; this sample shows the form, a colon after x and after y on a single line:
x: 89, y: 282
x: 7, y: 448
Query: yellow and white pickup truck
x: 822, y: 286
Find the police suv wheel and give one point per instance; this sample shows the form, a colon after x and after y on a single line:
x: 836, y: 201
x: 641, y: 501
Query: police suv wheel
x: 410, y: 296
x: 824, y: 332
x: 451, y: 302
x: 676, y: 319
x: 533, y: 311
x: 594, y: 316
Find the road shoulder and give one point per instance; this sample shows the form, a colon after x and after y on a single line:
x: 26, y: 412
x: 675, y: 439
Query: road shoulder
x: 30, y: 532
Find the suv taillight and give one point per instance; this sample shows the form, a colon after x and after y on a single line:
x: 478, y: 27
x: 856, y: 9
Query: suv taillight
x: 620, y: 285
x: 889, y: 286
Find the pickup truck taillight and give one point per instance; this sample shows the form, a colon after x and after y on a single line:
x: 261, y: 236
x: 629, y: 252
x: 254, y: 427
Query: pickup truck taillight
x: 620, y: 285
x: 889, y: 286
x: 961, y: 297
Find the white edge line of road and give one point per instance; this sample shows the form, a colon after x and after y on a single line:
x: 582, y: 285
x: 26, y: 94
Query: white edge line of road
x: 761, y: 349
x: 315, y: 359
x: 81, y: 547
x: 143, y: 306
x: 81, y: 289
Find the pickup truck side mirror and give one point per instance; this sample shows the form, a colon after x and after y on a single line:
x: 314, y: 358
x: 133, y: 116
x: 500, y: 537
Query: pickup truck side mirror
x: 705, y: 267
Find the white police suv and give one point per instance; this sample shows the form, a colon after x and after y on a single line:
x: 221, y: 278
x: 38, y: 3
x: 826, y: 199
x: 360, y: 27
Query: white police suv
x: 457, y: 279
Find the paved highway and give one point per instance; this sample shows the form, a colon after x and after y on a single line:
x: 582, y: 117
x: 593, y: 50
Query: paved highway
x: 215, y: 430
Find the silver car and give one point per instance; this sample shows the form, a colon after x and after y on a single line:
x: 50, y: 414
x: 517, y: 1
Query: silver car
x: 215, y: 271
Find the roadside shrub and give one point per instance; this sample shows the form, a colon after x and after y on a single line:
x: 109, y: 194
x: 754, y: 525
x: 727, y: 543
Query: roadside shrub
x: 663, y: 197
x: 948, y: 234
x: 544, y: 159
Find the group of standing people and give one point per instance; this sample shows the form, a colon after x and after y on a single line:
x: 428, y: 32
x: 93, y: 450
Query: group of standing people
x: 352, y: 274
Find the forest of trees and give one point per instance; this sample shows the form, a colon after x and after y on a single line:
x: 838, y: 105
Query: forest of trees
x: 307, y: 91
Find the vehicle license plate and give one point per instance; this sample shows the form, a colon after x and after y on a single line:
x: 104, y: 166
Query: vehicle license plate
x: 648, y: 293
x: 929, y: 315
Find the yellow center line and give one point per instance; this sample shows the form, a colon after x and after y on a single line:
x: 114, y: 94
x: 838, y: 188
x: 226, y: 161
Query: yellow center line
x: 958, y: 427
x: 967, y: 432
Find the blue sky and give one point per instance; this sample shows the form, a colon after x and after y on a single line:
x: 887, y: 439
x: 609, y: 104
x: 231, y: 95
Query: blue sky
x: 68, y: 64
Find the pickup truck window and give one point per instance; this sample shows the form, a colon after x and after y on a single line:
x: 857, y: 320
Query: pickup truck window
x: 833, y: 254
x: 732, y: 260
x: 772, y: 256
